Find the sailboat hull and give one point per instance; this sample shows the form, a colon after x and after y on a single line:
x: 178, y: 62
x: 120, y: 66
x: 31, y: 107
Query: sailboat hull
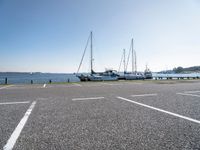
x: 97, y: 78
x: 148, y: 75
x: 131, y: 76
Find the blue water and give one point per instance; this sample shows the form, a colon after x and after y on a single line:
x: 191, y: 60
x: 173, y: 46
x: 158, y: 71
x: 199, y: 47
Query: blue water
x: 176, y: 75
x: 25, y: 78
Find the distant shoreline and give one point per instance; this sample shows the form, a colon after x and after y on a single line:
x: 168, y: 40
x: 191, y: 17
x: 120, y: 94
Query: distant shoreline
x: 161, y: 72
x: 33, y: 73
x: 184, y: 72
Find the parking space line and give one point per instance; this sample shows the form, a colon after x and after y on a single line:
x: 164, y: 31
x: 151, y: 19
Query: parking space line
x: 117, y: 84
x: 13, y: 138
x: 110, y: 83
x: 77, y: 84
x: 160, y: 110
x: 94, y: 85
x: 135, y: 83
x: 10, y: 103
x: 4, y: 87
x: 187, y: 94
x: 106, y: 83
x: 89, y: 98
x: 192, y: 92
x: 144, y: 95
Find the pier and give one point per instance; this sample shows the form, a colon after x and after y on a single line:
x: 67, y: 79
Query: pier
x: 175, y: 78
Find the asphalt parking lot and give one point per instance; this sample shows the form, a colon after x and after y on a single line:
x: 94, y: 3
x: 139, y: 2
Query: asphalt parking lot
x: 101, y: 115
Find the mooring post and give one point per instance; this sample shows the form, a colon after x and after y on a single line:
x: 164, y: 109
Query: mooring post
x: 6, y: 80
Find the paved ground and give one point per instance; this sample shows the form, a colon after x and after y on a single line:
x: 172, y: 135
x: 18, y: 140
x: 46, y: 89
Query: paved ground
x: 101, y: 115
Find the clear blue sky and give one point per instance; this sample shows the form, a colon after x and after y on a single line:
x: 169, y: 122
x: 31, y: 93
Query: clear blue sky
x: 50, y: 35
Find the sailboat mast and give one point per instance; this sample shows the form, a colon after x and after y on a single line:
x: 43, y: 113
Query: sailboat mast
x: 124, y: 60
x: 91, y: 46
x: 132, y: 56
x: 135, y: 62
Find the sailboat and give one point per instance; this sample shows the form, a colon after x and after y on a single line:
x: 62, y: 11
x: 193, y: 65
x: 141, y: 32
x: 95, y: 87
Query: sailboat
x: 108, y: 75
x: 148, y: 73
x: 134, y: 75
x: 122, y: 74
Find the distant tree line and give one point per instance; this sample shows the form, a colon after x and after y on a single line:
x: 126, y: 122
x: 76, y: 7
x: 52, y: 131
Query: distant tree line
x: 189, y: 69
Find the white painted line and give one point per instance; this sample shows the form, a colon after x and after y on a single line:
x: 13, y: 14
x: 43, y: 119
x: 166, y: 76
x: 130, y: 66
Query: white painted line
x: 77, y: 84
x: 111, y: 83
x: 10, y: 103
x: 144, y: 95
x: 161, y: 110
x: 117, y: 84
x: 134, y: 83
x: 89, y: 98
x: 106, y: 83
x: 137, y: 83
x: 186, y: 94
x: 44, y: 85
x: 192, y: 92
x: 94, y: 85
x: 13, y: 138
x: 4, y: 87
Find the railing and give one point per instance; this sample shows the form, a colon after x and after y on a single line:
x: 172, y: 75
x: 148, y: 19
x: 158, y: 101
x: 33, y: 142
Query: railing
x: 31, y: 81
x: 178, y: 78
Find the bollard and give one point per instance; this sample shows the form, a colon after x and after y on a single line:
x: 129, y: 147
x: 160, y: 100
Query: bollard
x: 68, y: 80
x: 50, y: 81
x: 6, y: 81
x: 31, y: 81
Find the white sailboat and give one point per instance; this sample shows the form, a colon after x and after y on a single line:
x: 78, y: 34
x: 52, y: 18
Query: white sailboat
x: 108, y: 75
x: 131, y: 75
x: 148, y: 73
x: 123, y: 59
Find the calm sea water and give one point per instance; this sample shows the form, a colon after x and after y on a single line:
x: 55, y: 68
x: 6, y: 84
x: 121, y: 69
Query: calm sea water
x: 25, y: 78
x: 176, y: 75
